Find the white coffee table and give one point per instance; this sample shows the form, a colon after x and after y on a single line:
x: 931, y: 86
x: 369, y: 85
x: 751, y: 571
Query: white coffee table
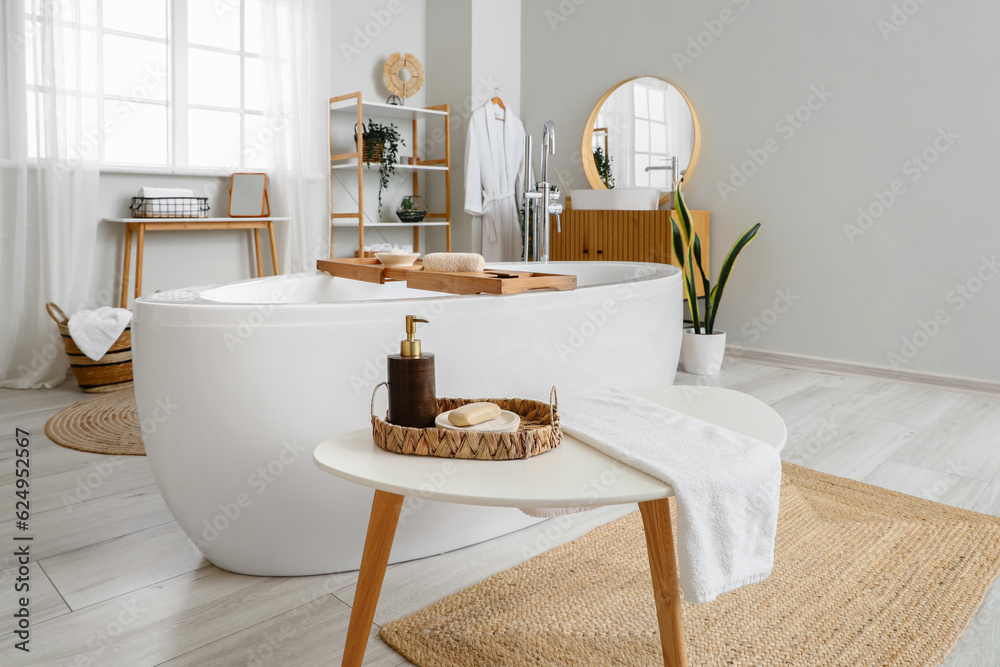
x: 572, y: 475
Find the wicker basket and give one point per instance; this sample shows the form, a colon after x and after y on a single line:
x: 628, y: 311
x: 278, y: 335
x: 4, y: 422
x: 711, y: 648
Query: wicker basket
x: 371, y: 149
x: 539, y: 432
x: 110, y: 373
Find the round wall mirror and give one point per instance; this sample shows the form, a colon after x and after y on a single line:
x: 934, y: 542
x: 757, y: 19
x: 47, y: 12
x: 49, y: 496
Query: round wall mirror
x: 636, y: 131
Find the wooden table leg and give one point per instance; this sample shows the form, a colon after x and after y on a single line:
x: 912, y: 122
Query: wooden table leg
x: 378, y: 544
x: 139, y: 244
x: 125, y: 264
x: 256, y: 243
x: 274, y: 247
x: 666, y: 585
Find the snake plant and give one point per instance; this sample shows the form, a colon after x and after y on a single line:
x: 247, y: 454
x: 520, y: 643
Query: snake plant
x: 687, y: 250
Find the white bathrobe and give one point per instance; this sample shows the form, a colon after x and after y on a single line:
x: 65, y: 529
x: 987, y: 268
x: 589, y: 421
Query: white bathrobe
x: 494, y: 180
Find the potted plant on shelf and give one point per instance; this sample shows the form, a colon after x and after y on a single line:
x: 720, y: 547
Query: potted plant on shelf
x: 702, y: 346
x: 380, y: 144
x: 411, y: 209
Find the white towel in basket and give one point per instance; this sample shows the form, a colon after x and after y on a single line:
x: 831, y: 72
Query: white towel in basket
x: 95, y: 331
x: 162, y: 207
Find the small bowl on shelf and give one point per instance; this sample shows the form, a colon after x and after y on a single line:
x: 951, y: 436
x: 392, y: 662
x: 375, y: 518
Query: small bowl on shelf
x: 397, y: 259
x: 411, y: 209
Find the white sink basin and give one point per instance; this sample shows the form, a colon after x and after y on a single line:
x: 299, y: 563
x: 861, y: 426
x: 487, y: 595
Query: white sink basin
x: 623, y: 199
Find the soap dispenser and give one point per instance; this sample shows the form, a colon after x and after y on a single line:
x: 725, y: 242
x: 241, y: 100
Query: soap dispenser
x: 412, y: 392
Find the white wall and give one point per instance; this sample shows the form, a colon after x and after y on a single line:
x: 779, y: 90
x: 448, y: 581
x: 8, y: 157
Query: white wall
x: 899, y: 289
x: 473, y: 49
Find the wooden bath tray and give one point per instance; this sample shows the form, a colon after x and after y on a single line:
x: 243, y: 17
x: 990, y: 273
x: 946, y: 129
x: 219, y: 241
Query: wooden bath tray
x: 490, y: 281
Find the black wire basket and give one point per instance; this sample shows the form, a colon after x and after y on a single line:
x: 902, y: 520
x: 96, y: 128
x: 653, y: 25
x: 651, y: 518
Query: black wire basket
x: 169, y: 207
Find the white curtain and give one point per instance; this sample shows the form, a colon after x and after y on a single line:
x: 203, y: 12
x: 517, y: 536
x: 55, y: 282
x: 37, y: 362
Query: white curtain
x: 48, y: 182
x: 296, y: 54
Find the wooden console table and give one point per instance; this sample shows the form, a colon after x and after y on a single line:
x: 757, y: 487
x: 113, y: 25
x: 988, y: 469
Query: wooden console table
x: 142, y: 225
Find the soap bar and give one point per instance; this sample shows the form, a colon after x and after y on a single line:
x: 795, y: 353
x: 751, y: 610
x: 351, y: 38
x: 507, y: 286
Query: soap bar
x: 474, y: 413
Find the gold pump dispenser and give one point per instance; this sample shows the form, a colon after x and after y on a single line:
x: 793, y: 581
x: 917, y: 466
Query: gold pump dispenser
x: 410, y: 348
x: 412, y: 390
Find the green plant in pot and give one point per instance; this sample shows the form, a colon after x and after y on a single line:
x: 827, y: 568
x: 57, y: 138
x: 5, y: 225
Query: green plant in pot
x: 603, y: 162
x: 381, y: 144
x: 411, y: 209
x: 702, y: 346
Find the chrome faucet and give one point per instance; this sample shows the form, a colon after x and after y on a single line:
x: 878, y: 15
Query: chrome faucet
x: 674, y: 176
x: 542, y: 200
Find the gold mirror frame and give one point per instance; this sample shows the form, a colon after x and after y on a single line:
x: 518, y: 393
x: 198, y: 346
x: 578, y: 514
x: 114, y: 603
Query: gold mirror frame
x: 590, y: 167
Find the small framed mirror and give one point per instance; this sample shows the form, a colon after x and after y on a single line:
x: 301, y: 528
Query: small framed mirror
x: 638, y: 133
x: 248, y: 196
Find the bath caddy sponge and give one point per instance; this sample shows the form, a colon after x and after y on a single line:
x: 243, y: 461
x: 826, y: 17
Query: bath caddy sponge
x: 452, y: 262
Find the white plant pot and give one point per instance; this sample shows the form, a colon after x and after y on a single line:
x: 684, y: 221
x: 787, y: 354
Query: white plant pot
x: 702, y: 353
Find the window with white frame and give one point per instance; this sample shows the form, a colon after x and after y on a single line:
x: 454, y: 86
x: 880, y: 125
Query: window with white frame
x: 650, y: 136
x: 164, y: 83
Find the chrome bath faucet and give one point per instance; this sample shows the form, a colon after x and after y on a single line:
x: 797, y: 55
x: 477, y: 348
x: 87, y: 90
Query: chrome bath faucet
x: 542, y: 199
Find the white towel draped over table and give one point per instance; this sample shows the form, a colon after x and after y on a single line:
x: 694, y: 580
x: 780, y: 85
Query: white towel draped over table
x: 726, y: 485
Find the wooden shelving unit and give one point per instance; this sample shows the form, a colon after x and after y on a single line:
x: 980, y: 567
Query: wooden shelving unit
x: 361, y: 110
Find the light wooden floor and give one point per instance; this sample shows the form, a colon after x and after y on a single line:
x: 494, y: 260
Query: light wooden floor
x: 116, y: 582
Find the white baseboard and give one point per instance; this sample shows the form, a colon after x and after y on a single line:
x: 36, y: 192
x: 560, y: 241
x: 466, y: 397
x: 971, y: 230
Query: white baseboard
x: 804, y: 362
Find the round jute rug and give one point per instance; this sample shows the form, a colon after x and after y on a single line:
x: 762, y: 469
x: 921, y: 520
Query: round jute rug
x: 105, y: 425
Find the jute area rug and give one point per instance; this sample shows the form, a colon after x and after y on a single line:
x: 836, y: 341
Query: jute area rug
x: 105, y: 425
x: 863, y: 576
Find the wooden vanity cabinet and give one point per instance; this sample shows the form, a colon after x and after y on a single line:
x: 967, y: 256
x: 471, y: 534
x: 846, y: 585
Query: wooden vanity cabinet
x: 622, y: 236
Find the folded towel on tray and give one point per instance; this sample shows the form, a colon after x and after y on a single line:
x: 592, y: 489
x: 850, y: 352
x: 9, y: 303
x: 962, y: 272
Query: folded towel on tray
x: 95, y: 331
x: 726, y: 485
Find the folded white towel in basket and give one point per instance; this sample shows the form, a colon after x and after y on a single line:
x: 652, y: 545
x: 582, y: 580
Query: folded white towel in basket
x: 727, y: 485
x: 95, y: 331
x: 166, y: 192
x: 158, y: 205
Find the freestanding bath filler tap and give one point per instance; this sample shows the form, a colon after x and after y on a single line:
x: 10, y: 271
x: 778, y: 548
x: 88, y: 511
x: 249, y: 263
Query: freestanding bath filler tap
x: 541, y: 200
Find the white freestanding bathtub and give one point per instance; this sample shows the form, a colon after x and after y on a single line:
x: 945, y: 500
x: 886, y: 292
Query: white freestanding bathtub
x: 236, y: 385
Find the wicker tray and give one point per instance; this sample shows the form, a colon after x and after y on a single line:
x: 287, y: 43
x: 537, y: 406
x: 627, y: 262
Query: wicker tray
x: 539, y: 432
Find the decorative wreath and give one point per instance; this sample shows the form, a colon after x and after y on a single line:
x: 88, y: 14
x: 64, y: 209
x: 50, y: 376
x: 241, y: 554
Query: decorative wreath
x: 404, y: 75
